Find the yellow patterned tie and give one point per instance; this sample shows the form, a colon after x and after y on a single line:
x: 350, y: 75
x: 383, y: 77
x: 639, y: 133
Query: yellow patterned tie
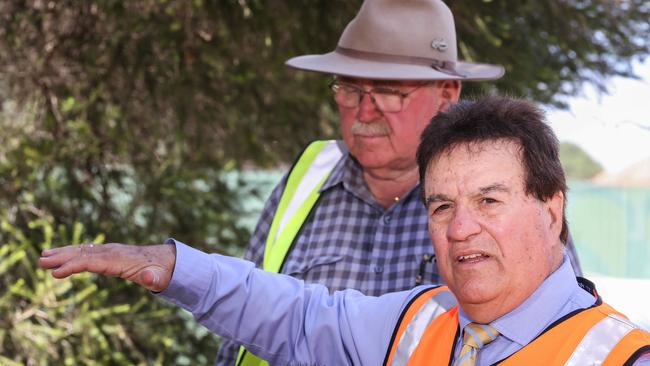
x: 474, y: 338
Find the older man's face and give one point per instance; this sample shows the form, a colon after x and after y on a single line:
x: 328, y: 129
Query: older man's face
x: 494, y: 243
x: 389, y: 140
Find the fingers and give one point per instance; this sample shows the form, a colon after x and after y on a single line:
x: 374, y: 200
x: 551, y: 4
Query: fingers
x: 55, y: 257
x: 82, y: 263
x: 85, y: 249
x: 73, y: 259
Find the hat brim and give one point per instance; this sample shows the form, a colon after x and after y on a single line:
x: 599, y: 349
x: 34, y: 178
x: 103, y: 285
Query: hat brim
x: 337, y: 64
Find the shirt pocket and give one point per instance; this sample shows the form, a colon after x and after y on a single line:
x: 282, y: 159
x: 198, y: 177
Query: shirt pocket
x: 313, y: 263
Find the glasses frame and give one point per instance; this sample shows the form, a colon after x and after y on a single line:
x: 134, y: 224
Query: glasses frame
x: 335, y: 86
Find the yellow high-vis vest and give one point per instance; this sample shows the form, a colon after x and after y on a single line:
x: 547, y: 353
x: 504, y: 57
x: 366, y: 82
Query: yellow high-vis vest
x: 301, y: 193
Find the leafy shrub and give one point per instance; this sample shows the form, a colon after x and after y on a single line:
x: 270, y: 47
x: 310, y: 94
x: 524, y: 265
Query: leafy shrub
x: 86, y: 319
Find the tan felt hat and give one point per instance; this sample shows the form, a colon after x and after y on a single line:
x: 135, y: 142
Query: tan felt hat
x: 398, y: 40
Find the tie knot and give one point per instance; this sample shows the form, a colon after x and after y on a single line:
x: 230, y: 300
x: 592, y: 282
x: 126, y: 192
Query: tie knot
x: 478, y: 335
x: 475, y: 336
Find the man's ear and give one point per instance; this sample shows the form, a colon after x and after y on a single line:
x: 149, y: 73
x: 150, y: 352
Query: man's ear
x: 555, y: 207
x: 449, y: 93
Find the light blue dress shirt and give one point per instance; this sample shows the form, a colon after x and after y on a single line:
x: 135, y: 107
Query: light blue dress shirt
x: 289, y: 322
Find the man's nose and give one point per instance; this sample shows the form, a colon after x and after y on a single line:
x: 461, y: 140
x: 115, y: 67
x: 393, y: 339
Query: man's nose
x: 368, y: 110
x: 463, y: 225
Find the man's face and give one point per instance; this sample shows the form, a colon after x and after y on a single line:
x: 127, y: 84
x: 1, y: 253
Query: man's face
x: 494, y: 243
x: 385, y: 140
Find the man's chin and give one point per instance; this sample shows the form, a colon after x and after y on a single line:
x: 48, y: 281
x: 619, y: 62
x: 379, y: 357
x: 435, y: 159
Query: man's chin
x: 373, y: 160
x: 475, y: 293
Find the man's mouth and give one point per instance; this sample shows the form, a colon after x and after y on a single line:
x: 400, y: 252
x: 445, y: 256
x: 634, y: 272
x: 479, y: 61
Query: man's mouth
x: 474, y: 257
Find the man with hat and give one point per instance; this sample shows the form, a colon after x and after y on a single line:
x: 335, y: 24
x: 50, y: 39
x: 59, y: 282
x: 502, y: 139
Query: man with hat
x: 347, y: 215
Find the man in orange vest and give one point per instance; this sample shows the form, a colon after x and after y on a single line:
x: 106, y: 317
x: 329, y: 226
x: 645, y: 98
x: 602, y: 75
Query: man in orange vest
x: 495, y: 196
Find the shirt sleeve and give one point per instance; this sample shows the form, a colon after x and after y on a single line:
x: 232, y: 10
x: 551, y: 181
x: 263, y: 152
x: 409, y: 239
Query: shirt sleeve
x: 280, y: 318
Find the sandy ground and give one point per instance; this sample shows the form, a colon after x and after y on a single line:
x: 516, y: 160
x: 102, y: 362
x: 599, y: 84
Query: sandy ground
x: 627, y: 295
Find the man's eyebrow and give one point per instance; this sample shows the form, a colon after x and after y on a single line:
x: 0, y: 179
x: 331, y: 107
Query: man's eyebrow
x: 496, y: 187
x: 435, y: 198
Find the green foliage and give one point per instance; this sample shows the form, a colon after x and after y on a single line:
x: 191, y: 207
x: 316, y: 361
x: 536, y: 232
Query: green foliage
x: 84, y: 320
x: 578, y: 165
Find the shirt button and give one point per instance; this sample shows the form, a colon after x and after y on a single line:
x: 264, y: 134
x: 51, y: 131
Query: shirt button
x: 387, y: 219
x: 379, y: 269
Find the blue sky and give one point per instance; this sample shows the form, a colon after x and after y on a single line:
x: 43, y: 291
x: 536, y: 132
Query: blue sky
x: 613, y: 128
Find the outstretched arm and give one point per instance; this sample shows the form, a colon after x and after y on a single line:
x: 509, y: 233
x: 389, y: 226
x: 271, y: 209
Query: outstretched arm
x: 149, y: 266
x: 275, y: 316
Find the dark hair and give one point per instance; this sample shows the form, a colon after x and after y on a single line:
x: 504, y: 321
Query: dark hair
x: 495, y: 118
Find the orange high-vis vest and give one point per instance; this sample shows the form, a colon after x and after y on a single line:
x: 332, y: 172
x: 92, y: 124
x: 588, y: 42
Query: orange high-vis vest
x: 599, y: 335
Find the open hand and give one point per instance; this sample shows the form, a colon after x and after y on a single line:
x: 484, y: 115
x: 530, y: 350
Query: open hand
x: 149, y: 266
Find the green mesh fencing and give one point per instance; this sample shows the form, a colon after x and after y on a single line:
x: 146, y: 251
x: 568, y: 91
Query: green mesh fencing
x: 611, y: 229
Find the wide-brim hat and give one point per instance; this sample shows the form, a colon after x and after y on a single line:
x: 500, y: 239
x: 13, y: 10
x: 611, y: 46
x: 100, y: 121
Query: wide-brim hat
x: 399, y: 40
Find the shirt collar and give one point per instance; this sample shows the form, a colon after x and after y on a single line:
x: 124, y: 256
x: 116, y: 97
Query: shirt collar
x: 349, y: 174
x: 539, y: 310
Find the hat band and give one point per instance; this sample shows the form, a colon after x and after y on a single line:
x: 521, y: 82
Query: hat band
x: 447, y: 67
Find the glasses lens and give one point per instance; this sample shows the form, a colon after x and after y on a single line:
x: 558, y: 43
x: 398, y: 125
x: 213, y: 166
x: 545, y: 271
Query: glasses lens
x: 385, y: 99
x: 346, y: 95
x: 388, y: 101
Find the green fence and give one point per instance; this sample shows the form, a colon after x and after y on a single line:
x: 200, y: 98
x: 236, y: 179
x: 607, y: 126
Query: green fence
x: 611, y: 229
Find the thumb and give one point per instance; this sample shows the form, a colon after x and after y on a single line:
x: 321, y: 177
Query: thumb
x: 150, y: 279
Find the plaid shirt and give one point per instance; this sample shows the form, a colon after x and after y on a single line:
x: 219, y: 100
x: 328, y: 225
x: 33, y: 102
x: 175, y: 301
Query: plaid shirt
x: 350, y: 241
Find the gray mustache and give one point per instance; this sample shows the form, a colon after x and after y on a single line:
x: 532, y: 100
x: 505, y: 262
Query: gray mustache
x: 378, y: 128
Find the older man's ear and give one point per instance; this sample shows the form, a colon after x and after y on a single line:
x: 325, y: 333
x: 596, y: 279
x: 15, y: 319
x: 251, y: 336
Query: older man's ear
x: 450, y: 93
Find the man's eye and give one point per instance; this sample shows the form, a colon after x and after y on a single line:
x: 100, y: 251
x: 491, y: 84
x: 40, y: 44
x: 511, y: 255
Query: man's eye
x: 489, y: 200
x: 349, y: 88
x: 441, y: 208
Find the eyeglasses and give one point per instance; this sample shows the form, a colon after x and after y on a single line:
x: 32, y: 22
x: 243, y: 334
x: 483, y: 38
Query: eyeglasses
x: 385, y: 99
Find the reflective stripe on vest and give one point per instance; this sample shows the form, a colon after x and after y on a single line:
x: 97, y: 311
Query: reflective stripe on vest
x: 299, y: 196
x: 434, y: 307
x: 600, y: 340
x: 595, y: 336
